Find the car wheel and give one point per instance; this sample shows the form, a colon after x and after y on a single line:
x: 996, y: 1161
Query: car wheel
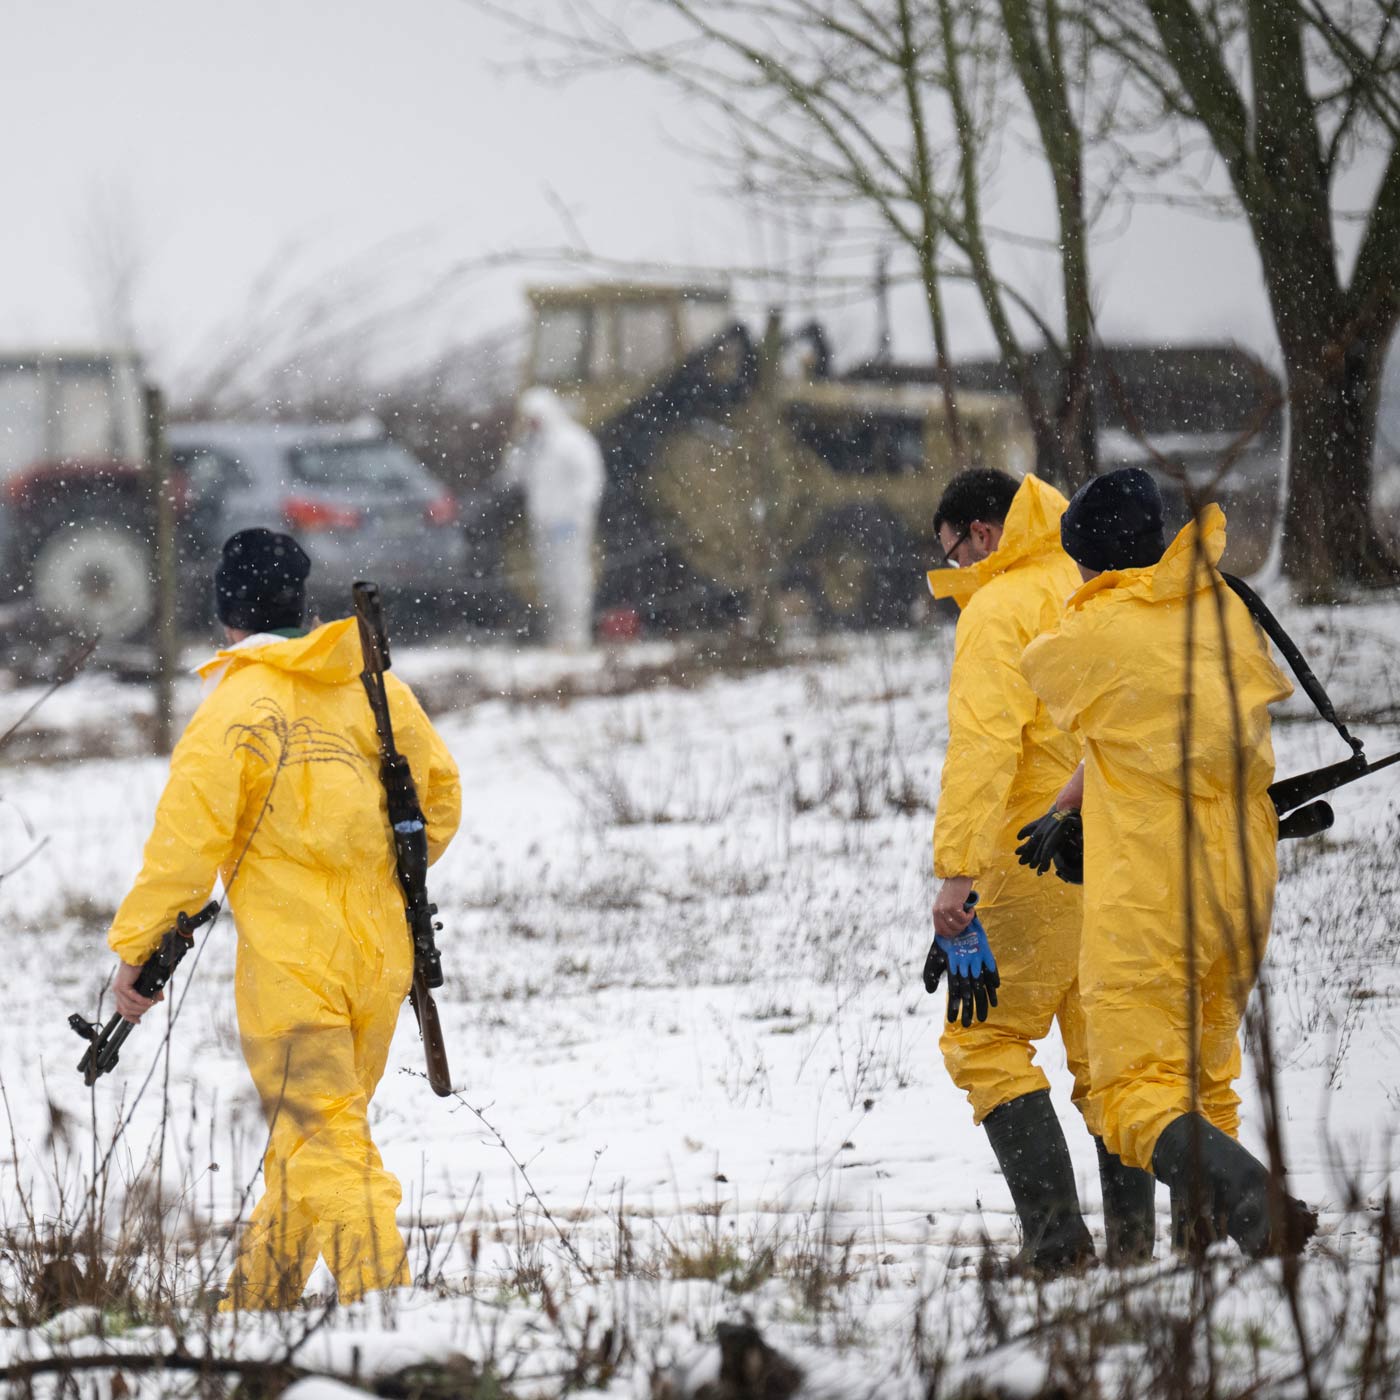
x: 95, y: 576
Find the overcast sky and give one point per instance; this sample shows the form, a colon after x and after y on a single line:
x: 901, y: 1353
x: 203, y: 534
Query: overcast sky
x: 214, y: 138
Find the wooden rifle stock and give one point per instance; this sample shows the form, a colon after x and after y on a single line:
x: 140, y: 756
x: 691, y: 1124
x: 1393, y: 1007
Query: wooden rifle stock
x: 430, y: 1029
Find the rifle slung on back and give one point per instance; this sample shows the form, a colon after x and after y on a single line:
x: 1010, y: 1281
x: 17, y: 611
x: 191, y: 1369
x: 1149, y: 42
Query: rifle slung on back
x: 410, y: 835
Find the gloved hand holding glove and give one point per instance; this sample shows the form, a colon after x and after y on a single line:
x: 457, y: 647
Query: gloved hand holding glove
x: 1055, y: 839
x: 972, y: 973
x: 973, y: 978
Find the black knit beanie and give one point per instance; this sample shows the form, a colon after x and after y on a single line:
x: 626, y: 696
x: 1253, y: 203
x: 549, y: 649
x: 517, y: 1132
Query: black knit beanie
x: 1115, y: 522
x: 260, y: 584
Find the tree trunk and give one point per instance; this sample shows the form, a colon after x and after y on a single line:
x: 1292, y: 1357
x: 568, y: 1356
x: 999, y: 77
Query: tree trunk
x: 1328, y: 534
x: 1050, y: 464
x: 1333, y: 337
x: 1078, y: 421
x: 1049, y: 458
x: 1039, y: 66
x: 1076, y: 418
x: 929, y: 229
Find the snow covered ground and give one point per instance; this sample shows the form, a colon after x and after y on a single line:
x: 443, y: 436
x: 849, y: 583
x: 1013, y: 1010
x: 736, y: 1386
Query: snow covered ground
x: 698, y: 1074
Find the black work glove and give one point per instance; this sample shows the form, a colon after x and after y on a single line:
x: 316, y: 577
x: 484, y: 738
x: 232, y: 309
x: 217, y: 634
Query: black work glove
x: 935, y: 965
x: 1069, y: 857
x: 1055, y: 839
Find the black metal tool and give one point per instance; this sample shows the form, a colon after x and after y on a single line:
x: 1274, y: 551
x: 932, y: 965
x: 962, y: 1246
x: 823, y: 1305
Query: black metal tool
x: 1291, y: 793
x: 105, y: 1044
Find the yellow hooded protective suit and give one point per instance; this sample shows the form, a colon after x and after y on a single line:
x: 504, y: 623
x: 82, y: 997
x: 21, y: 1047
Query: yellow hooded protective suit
x: 1005, y: 763
x: 1180, y: 835
x: 275, y: 787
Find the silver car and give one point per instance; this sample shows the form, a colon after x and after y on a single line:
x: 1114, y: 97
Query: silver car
x: 360, y: 504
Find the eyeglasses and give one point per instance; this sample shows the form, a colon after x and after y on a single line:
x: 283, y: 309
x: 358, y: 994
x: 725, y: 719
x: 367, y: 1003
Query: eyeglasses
x: 948, y: 561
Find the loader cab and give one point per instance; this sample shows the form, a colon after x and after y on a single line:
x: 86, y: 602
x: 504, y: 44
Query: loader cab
x: 600, y: 345
x: 722, y: 464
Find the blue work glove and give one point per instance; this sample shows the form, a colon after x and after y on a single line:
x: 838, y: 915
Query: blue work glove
x: 972, y: 970
x: 973, y: 978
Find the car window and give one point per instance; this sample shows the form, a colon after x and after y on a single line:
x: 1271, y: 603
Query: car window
x: 207, y: 472
x: 381, y: 464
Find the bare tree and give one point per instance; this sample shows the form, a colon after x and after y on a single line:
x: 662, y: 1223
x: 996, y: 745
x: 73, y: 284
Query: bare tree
x: 1294, y: 95
x: 1036, y: 34
x: 890, y: 112
x: 113, y: 254
x: 377, y: 334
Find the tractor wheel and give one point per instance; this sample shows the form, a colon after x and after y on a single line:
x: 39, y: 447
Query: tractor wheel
x: 95, y: 576
x: 857, y: 567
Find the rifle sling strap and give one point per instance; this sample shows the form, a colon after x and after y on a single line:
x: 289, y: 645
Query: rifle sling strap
x: 1288, y: 648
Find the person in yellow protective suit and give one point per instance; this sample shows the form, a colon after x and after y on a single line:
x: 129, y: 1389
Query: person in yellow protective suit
x: 1160, y: 669
x: 1005, y: 762
x: 274, y: 786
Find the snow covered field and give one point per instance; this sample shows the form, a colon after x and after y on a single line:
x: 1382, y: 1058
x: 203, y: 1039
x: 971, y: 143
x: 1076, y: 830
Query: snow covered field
x: 698, y: 1074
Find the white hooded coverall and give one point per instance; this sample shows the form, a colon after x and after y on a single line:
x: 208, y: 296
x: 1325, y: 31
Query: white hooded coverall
x: 559, y: 464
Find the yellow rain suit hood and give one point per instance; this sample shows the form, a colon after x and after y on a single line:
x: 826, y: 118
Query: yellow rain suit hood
x: 1004, y: 765
x: 1141, y: 656
x: 274, y: 787
x: 1031, y: 530
x: 1004, y: 751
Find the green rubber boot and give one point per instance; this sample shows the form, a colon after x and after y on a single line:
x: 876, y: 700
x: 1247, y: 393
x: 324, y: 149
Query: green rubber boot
x: 1129, y: 1210
x: 1218, y: 1185
x: 1025, y: 1135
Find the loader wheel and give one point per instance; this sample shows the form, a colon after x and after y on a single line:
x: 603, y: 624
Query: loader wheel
x: 95, y: 576
x: 857, y: 569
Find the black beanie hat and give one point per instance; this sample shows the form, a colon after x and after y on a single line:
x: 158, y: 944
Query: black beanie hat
x: 1115, y: 522
x: 260, y: 584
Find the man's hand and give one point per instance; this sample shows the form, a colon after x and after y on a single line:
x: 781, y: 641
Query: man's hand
x: 949, y: 916
x: 1071, y: 796
x: 973, y: 978
x: 131, y: 1005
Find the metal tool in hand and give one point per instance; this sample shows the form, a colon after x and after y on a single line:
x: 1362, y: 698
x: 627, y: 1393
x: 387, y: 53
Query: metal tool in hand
x: 104, y: 1045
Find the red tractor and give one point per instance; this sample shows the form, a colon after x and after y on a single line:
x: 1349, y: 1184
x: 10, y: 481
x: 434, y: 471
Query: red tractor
x: 76, y: 507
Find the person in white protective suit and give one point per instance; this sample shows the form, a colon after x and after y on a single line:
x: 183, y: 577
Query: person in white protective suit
x: 559, y: 464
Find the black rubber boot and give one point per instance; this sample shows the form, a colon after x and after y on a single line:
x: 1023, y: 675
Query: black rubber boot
x: 1026, y: 1137
x: 1129, y: 1210
x: 1218, y: 1185
x: 1196, y: 1225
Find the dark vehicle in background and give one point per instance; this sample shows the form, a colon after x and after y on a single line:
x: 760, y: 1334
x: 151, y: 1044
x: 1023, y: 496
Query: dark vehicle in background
x: 1210, y: 418
x: 75, y: 499
x: 360, y: 504
x: 77, y: 505
x: 724, y: 477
